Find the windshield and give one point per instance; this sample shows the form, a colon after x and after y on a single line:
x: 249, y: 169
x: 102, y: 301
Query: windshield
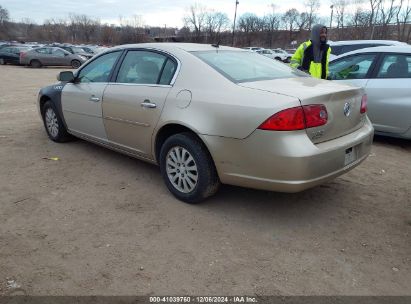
x: 240, y: 66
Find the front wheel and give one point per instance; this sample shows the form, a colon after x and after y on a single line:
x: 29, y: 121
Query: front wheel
x: 54, y: 125
x: 35, y: 64
x: 188, y: 169
x: 75, y: 64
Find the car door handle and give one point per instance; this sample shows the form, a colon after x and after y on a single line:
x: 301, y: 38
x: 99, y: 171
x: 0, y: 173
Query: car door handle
x: 148, y: 104
x: 94, y: 98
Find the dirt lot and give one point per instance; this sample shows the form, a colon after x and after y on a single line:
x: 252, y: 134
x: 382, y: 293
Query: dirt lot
x: 96, y: 222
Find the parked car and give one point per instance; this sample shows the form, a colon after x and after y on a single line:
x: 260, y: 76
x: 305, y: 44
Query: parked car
x: 271, y: 54
x: 252, y: 48
x: 77, y: 51
x: 342, y: 47
x: 284, y: 55
x: 44, y: 56
x: 385, y: 74
x: 207, y: 116
x: 11, y: 54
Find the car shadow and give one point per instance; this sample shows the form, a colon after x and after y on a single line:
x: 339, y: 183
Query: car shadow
x: 398, y: 142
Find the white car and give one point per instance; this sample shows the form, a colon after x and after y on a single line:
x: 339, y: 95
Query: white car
x: 252, y: 48
x: 271, y: 54
x: 342, y: 47
x: 385, y: 74
x: 284, y: 55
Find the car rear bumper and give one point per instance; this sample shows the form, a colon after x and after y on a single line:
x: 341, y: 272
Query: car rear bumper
x: 286, y: 161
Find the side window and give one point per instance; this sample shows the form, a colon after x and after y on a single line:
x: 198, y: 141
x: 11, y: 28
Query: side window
x: 351, y: 67
x: 168, y: 72
x: 141, y: 67
x: 395, y: 66
x: 7, y: 50
x: 99, y: 69
x: 58, y: 53
x: 44, y: 50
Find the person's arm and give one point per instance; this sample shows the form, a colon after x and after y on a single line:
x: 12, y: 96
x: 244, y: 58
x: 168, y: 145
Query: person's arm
x: 327, y: 62
x: 297, y: 59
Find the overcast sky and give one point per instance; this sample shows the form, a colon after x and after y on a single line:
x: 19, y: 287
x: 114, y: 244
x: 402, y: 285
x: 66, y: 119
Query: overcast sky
x: 153, y: 12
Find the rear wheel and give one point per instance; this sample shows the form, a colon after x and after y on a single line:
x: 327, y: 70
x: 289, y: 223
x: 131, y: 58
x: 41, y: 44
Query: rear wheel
x: 35, y: 64
x: 75, y: 64
x: 188, y: 169
x: 53, y: 123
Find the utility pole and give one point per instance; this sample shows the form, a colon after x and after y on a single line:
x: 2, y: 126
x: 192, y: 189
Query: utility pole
x: 331, y: 19
x: 235, y: 16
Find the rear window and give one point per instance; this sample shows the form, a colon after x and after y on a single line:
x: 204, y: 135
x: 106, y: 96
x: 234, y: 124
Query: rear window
x: 246, y: 66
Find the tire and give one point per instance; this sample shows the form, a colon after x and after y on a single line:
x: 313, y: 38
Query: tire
x: 53, y: 123
x: 75, y: 64
x: 278, y: 58
x: 35, y: 64
x: 188, y: 169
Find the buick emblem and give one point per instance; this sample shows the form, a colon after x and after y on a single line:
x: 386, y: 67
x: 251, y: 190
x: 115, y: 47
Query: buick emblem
x: 347, y: 109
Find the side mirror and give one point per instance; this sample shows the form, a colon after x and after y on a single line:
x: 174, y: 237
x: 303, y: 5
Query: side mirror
x: 66, y: 76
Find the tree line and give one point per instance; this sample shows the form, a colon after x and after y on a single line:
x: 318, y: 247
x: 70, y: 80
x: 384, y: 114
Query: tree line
x: 349, y: 19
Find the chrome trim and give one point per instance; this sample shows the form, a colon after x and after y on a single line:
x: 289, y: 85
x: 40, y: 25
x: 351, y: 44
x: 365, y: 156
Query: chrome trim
x: 148, y: 104
x: 141, y: 84
x: 78, y: 113
x: 127, y: 121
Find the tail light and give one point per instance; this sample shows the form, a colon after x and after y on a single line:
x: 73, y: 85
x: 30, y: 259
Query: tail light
x: 364, y: 101
x: 22, y: 55
x: 297, y: 118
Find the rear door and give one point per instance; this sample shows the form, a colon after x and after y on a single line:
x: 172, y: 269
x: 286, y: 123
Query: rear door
x: 133, y: 104
x: 389, y: 94
x: 81, y: 101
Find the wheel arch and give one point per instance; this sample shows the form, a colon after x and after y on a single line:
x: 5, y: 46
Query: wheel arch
x: 171, y: 129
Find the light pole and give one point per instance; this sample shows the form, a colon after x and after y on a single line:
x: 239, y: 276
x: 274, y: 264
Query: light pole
x: 235, y: 16
x: 331, y: 19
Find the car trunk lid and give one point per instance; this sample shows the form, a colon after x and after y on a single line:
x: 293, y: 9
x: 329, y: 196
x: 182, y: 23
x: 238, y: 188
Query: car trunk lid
x: 343, y: 103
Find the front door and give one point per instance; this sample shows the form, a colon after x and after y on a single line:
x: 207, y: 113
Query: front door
x: 81, y: 101
x: 389, y: 94
x: 132, y: 105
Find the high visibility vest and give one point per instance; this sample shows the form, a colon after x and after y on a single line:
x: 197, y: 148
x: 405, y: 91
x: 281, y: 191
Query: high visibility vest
x: 303, y: 59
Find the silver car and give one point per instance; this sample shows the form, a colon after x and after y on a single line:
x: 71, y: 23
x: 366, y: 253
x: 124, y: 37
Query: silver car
x: 51, y: 56
x: 385, y: 74
x: 209, y: 115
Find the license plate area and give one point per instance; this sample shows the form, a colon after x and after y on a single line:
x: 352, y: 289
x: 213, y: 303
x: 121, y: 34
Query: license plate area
x: 350, y: 155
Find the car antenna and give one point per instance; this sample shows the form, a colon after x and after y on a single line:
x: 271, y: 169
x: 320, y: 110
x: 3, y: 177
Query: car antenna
x: 216, y: 45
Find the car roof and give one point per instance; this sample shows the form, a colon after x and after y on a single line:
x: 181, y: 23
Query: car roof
x: 188, y: 47
x: 353, y: 42
x: 379, y: 49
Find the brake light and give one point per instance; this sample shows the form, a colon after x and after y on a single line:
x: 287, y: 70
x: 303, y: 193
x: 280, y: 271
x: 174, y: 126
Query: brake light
x: 22, y: 55
x: 364, y: 101
x: 297, y: 118
x: 315, y: 115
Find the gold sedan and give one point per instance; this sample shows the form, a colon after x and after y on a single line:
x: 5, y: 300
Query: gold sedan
x: 211, y: 114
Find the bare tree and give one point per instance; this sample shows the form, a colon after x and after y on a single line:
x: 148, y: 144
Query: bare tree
x: 290, y: 19
x: 403, y: 19
x: 312, y: 8
x: 195, y: 19
x: 215, y: 22
x: 4, y: 15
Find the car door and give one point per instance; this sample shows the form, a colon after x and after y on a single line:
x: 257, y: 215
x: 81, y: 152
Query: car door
x: 354, y: 69
x: 133, y: 104
x: 389, y: 94
x: 81, y: 100
x: 58, y: 57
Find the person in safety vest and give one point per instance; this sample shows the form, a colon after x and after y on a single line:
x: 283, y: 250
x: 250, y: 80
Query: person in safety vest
x: 313, y: 55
